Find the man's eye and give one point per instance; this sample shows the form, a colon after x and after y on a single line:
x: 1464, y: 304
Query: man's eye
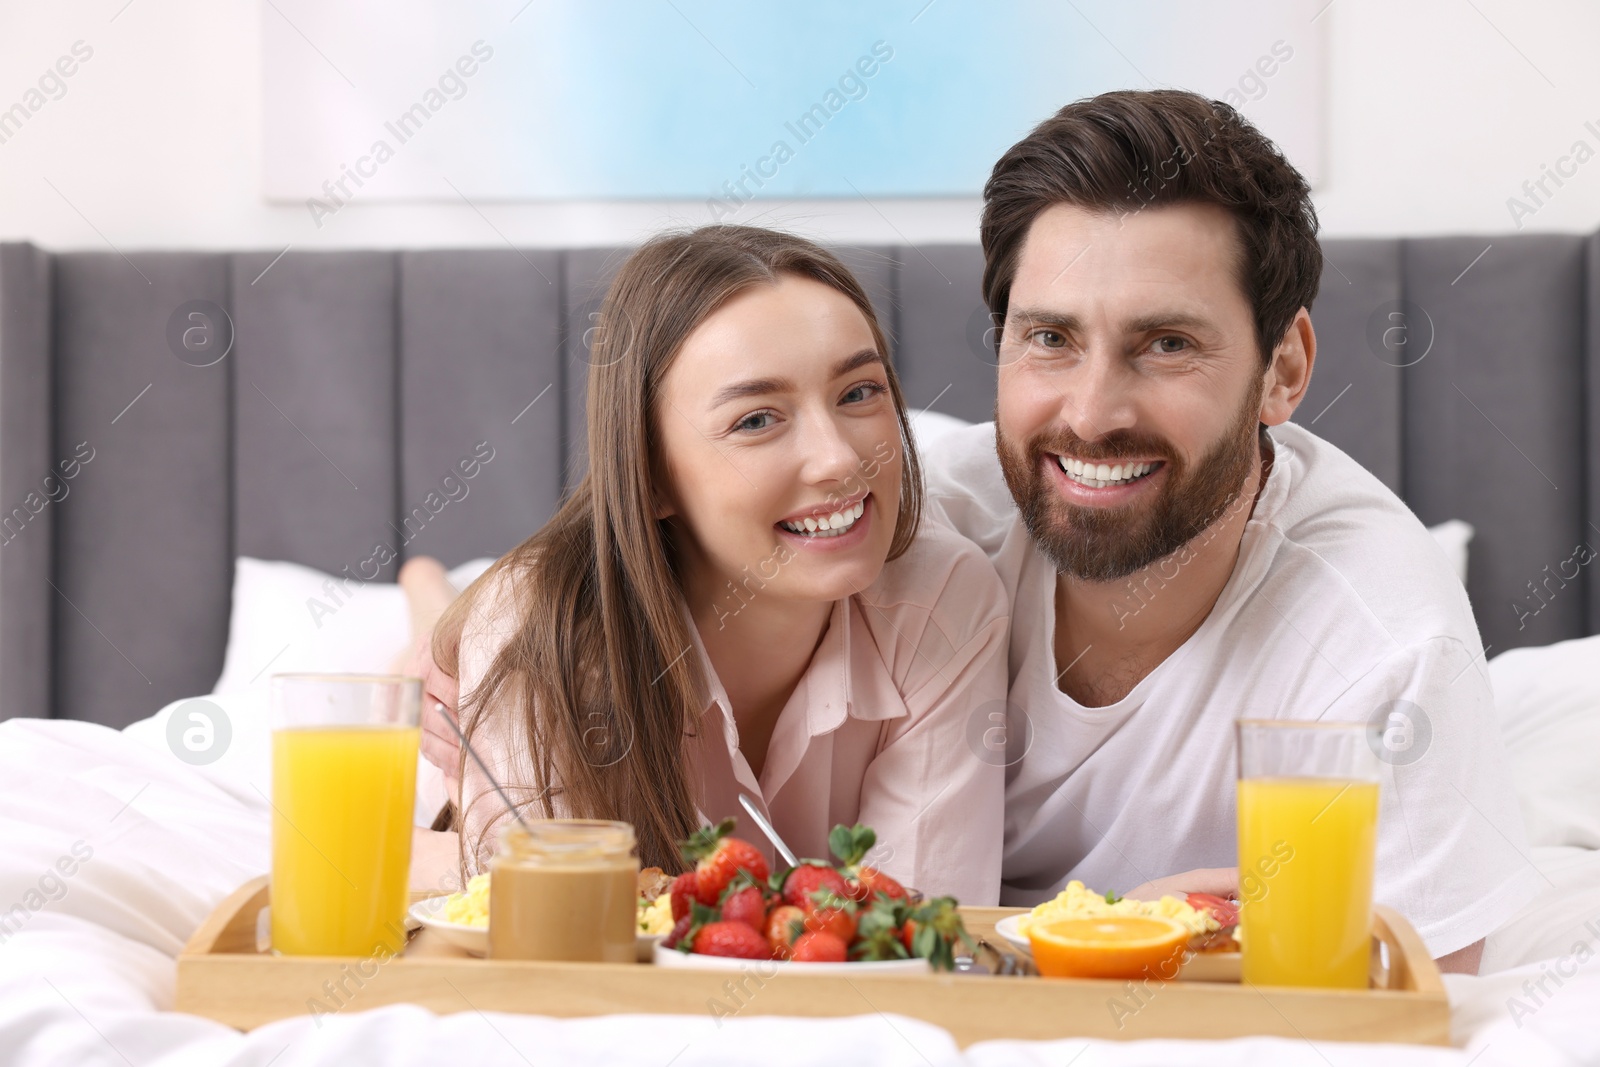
x: 760, y: 420
x: 1050, y: 338
x: 1168, y: 346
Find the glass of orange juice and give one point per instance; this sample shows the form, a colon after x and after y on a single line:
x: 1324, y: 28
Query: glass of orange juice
x: 344, y: 779
x: 1308, y: 835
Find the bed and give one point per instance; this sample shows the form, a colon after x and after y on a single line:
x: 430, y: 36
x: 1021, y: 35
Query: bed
x: 354, y: 384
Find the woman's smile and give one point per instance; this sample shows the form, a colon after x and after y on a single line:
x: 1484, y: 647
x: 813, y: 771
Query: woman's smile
x: 837, y: 530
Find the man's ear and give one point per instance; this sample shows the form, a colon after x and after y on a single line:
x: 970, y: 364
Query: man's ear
x: 1290, y: 374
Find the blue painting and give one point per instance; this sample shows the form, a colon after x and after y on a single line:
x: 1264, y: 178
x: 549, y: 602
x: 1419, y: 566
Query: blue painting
x: 725, y: 102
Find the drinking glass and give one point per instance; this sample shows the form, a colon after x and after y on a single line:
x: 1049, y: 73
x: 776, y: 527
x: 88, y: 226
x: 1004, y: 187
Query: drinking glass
x: 1308, y: 834
x: 344, y: 779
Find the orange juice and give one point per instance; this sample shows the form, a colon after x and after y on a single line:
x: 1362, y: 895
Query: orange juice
x: 1306, y: 854
x: 342, y: 800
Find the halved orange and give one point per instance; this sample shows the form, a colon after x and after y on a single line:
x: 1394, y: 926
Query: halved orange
x: 1115, y: 946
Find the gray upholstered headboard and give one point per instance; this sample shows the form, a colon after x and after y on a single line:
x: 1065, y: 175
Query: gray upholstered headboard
x: 358, y: 380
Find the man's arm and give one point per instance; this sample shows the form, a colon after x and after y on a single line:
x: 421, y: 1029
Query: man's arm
x: 1462, y: 960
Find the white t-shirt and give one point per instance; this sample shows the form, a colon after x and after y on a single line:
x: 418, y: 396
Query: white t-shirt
x: 1339, y: 604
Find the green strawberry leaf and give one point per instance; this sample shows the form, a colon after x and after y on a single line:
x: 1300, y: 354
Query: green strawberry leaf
x: 851, y: 843
x: 827, y: 898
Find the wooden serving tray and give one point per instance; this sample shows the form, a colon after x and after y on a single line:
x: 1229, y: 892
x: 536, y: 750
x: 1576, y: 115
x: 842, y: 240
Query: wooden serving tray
x: 223, y: 976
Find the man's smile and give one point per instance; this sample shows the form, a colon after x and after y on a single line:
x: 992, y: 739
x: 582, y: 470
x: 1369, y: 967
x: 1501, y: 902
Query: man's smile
x: 1098, y: 475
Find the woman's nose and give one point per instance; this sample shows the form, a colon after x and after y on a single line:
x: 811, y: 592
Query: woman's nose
x: 830, y: 456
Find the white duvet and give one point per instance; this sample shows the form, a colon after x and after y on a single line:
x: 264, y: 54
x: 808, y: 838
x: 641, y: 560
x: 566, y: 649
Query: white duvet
x: 112, y: 851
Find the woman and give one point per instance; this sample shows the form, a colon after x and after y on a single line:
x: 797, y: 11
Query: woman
x: 739, y: 596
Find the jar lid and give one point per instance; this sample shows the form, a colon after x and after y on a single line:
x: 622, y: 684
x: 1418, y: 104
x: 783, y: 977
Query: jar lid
x: 567, y: 838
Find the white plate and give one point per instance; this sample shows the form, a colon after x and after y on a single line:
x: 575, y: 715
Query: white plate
x: 475, y: 939
x: 1008, y: 928
x: 430, y: 913
x: 671, y: 957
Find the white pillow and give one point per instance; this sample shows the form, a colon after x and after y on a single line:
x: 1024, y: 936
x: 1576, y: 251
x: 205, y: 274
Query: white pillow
x: 291, y: 618
x: 929, y: 426
x: 1548, y: 702
x: 1563, y: 913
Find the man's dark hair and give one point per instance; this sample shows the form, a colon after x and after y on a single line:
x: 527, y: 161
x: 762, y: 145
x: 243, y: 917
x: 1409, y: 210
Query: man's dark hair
x: 1123, y: 151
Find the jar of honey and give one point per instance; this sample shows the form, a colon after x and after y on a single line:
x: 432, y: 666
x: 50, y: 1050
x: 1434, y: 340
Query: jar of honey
x: 564, y: 889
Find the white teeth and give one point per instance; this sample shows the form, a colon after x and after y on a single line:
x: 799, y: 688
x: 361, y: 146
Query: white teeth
x: 828, y: 525
x: 1100, y: 475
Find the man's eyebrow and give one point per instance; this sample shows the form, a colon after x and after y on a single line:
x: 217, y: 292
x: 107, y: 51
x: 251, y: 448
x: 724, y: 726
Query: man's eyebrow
x: 1157, y: 320
x: 764, y: 386
x: 1168, y: 320
x: 1043, y: 317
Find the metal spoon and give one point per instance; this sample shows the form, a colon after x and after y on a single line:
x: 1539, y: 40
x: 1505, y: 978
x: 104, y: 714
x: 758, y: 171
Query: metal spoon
x: 484, y: 767
x: 765, y: 827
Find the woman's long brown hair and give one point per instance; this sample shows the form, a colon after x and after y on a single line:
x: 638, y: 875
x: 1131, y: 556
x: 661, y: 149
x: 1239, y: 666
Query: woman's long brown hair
x: 595, y: 663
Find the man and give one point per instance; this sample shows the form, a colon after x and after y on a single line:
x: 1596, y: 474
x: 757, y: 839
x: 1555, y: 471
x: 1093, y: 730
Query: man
x: 1178, y: 554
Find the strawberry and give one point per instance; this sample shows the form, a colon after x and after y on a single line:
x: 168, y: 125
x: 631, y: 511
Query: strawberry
x: 744, y: 901
x: 869, y: 881
x: 736, y: 939
x: 801, y: 882
x: 680, y: 930
x: 784, y: 924
x: 828, y: 911
x: 1225, y: 911
x: 851, y: 845
x: 718, y: 858
x: 683, y: 891
x: 908, y: 934
x: 818, y: 946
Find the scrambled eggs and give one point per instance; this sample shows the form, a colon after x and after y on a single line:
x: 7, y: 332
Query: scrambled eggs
x: 472, y: 907
x: 655, y: 916
x: 1076, y: 902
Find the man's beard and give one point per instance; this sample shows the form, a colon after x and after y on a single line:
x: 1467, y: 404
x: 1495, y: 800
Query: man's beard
x: 1101, y: 544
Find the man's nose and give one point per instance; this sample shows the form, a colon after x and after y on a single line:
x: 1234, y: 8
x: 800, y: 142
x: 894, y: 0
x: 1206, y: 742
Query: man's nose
x: 1099, y: 397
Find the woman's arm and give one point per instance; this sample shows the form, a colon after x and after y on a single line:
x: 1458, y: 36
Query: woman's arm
x: 935, y: 793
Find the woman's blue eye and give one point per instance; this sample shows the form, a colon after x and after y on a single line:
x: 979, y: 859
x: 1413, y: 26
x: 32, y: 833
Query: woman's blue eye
x: 750, y: 423
x: 871, y: 389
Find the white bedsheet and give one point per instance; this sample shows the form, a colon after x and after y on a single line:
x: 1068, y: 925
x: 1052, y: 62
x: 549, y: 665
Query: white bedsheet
x: 86, y: 977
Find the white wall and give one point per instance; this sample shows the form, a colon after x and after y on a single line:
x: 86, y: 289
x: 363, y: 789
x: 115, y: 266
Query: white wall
x: 1439, y: 110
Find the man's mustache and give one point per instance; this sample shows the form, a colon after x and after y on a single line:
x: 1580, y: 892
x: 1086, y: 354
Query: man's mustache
x: 1112, y: 447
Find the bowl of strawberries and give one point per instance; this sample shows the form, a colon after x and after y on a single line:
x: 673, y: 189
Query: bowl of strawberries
x: 816, y: 917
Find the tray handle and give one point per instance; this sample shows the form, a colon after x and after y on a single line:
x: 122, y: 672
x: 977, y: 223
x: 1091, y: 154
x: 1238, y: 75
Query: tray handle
x: 232, y: 926
x: 1411, y: 967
